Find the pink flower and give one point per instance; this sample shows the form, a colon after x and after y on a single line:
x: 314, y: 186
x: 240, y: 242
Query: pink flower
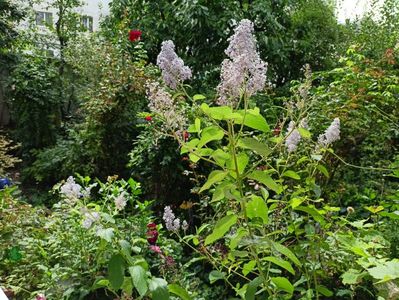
x: 40, y: 297
x: 156, y: 249
x: 148, y: 118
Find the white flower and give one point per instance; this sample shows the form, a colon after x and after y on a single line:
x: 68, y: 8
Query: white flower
x: 90, y: 218
x: 70, y: 189
x: 173, y: 69
x: 293, y: 137
x: 331, y: 134
x: 244, y: 71
x: 171, y: 222
x: 120, y: 201
x: 184, y: 225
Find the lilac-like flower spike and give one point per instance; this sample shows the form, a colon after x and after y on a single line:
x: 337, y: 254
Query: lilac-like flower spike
x: 245, y: 71
x: 70, y: 189
x: 173, y: 69
x: 120, y: 201
x: 161, y: 103
x: 293, y: 137
x: 331, y: 134
x: 171, y: 222
x: 90, y: 218
x: 184, y: 225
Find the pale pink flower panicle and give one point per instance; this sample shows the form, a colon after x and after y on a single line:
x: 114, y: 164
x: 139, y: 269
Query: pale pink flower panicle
x: 331, y: 134
x: 70, y: 189
x: 174, y: 72
x: 244, y: 71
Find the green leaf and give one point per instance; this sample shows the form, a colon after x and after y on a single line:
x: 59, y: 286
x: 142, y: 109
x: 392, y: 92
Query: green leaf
x: 190, y: 146
x: 313, y: 212
x: 198, y: 97
x: 352, y: 276
x: 324, y: 291
x: 248, y: 267
x: 106, y: 234
x: 159, y: 289
x: 323, y: 170
x: 15, y: 254
x: 287, y: 252
x: 283, y: 284
x: 281, y: 263
x: 291, y: 174
x: 385, y: 271
x: 215, y: 275
x: 295, y: 202
x: 179, y: 291
x: 241, y: 232
x: 211, y: 133
x: 254, y: 145
x: 221, y: 228
x: 257, y: 208
x: 139, y: 279
x: 197, y: 125
x: 242, y: 161
x: 116, y: 271
x: 214, y: 177
x: 252, y: 288
x: 375, y: 209
x: 304, y: 133
x: 265, y: 179
x: 220, y: 157
x: 127, y: 285
x: 217, y: 113
x: 253, y: 119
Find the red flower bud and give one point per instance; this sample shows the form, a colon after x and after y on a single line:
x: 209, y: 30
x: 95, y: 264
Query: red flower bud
x: 134, y: 35
x: 186, y: 135
x: 276, y: 131
x: 148, y: 118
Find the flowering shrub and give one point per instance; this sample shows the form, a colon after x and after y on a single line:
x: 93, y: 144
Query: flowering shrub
x: 276, y: 236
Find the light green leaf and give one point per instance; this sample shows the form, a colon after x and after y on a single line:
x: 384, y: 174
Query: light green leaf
x: 106, y: 234
x: 257, y: 208
x: 313, y: 212
x: 281, y: 263
x: 385, y: 271
x: 304, y: 133
x: 323, y: 170
x: 214, y: 177
x: 295, y: 202
x: 248, y: 267
x: 215, y: 275
x: 287, y: 252
x: 291, y: 174
x: 254, y: 145
x: 139, y: 279
x: 324, y: 291
x: 179, y: 291
x: 242, y: 161
x: 116, y: 271
x: 198, y: 97
x: 221, y: 228
x: 253, y: 120
x: 252, y: 288
x: 198, y: 125
x: 241, y: 232
x: 283, y: 284
x: 217, y: 113
x: 159, y: 289
x: 208, y: 134
x: 352, y: 276
x: 265, y: 179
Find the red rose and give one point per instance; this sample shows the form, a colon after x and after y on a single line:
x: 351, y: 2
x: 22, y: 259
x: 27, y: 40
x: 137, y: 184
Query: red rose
x: 148, y: 118
x: 134, y: 35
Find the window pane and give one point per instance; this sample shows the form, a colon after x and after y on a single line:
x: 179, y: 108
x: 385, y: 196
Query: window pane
x: 39, y: 18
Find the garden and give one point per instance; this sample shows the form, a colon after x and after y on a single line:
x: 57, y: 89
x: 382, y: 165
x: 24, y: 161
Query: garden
x: 200, y: 150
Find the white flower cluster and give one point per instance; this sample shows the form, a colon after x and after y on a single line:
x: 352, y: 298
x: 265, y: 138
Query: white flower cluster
x: 161, y: 103
x: 89, y: 218
x: 120, y: 201
x: 245, y: 71
x: 173, y: 69
x: 293, y: 137
x: 331, y: 134
x: 172, y: 223
x: 70, y: 189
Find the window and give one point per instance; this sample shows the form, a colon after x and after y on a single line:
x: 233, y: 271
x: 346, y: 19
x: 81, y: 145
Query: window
x: 44, y: 18
x: 87, y: 22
